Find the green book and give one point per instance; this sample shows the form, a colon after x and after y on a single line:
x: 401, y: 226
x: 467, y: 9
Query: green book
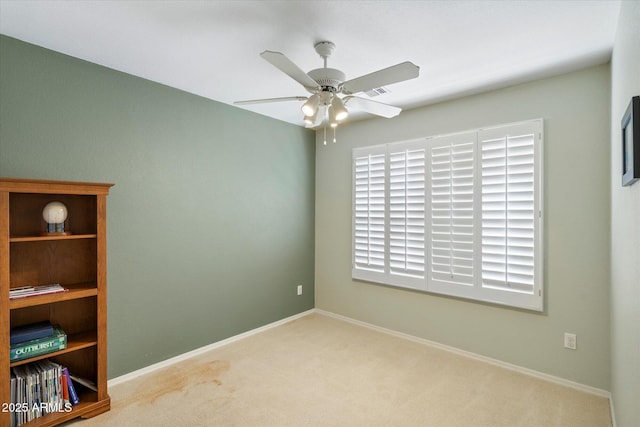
x: 25, y: 350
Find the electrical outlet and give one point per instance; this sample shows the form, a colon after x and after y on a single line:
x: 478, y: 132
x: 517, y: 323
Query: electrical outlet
x: 570, y: 341
x: 299, y: 289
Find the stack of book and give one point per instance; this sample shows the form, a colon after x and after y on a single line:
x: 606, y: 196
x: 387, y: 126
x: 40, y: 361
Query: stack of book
x: 31, y: 291
x: 38, y: 389
x: 36, y: 339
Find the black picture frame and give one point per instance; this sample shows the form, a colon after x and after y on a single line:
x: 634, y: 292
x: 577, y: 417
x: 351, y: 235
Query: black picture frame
x: 631, y: 142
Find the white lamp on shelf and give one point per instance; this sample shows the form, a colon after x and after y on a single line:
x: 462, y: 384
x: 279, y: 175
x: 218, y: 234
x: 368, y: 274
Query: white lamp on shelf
x: 55, y: 214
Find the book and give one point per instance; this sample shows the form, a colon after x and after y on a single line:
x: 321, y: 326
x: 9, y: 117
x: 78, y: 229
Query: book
x: 73, y: 395
x: 30, y: 332
x: 25, y: 350
x: 65, y: 389
x: 29, y: 291
x: 14, y: 385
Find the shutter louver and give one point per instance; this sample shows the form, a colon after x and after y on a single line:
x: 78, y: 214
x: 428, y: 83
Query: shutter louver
x: 508, y: 213
x: 369, y: 211
x: 452, y: 210
x: 406, y: 212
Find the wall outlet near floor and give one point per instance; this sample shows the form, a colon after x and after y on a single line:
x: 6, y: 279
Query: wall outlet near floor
x: 570, y: 341
x: 299, y: 289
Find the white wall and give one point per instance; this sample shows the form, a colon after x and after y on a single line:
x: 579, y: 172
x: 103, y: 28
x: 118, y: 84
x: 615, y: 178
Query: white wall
x: 575, y: 108
x: 625, y: 229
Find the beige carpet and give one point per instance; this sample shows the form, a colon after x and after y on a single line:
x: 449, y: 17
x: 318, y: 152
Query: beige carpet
x: 319, y: 371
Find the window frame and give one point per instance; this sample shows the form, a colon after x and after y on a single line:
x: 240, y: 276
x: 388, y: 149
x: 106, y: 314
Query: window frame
x: 531, y: 298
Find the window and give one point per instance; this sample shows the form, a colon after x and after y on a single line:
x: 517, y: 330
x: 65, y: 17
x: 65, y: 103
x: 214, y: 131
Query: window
x: 457, y: 214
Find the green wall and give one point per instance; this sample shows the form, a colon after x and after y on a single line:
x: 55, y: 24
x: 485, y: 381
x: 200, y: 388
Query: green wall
x: 211, y: 220
x: 625, y: 228
x: 575, y: 109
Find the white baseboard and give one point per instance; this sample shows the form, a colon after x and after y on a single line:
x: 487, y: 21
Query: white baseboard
x: 613, y: 413
x: 496, y: 362
x: 199, y: 351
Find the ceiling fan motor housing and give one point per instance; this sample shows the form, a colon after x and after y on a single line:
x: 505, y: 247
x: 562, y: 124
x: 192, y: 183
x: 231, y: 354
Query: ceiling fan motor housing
x: 329, y: 79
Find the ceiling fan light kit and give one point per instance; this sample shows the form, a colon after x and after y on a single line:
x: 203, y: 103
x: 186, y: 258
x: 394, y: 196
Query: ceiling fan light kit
x: 325, y: 106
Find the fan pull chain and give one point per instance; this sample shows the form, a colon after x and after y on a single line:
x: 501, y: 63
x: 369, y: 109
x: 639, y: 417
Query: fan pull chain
x: 325, y: 135
x: 334, y: 134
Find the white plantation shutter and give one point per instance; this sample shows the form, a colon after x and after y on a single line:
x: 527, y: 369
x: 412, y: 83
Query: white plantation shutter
x: 511, y: 215
x: 451, y: 212
x: 406, y: 209
x: 457, y: 214
x: 369, y: 176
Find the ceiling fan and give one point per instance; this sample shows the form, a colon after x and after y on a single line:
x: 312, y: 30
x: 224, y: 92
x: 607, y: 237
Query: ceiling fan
x: 325, y: 105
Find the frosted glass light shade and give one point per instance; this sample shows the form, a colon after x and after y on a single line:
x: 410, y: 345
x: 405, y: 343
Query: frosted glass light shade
x: 54, y: 213
x: 310, y: 120
x: 310, y: 107
x: 340, y: 111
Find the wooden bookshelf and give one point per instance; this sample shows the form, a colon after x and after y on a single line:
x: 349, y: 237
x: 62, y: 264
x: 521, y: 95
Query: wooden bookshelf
x: 77, y: 262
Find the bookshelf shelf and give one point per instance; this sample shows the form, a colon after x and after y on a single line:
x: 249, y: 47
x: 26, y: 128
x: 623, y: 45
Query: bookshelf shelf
x: 74, y: 292
x: 45, y: 238
x: 77, y: 262
x: 89, y: 404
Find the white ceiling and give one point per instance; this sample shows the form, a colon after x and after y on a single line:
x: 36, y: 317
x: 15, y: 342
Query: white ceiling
x: 211, y: 48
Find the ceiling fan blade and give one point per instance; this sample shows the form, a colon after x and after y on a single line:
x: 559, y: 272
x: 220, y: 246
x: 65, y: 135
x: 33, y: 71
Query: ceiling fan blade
x: 265, y: 100
x: 285, y: 65
x: 394, y: 74
x: 373, y: 107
